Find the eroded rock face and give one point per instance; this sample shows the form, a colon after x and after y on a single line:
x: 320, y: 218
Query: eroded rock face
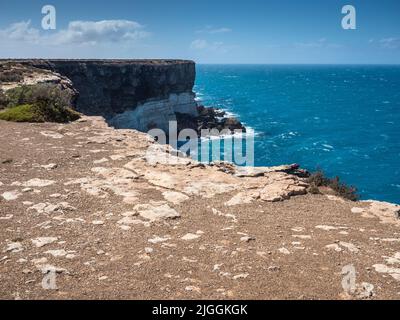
x: 156, y: 113
x: 129, y: 94
x: 111, y: 87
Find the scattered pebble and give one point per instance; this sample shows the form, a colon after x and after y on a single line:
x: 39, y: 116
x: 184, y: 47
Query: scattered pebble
x: 247, y: 239
x: 349, y: 246
x: 241, y: 276
x: 14, y: 247
x: 50, y: 166
x: 326, y: 228
x: 43, y: 241
x: 158, y: 239
x: 193, y: 289
x: 148, y: 250
x: 52, y: 134
x: 190, y: 236
x: 357, y: 210
x: 57, y: 253
x: 11, y: 195
x: 7, y: 217
x: 284, y: 251
x: 338, y: 247
x: 393, y: 272
x: 303, y: 237
x: 38, y: 183
x: 175, y: 197
x: 100, y: 161
x: 274, y: 268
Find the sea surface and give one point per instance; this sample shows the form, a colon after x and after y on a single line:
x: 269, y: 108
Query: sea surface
x: 344, y: 120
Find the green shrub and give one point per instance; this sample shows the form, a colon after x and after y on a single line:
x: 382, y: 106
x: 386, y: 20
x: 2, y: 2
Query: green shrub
x: 3, y: 100
x: 22, y: 113
x: 38, y: 113
x: 40, y: 93
x: 11, y: 76
x: 318, y: 179
x: 39, y: 103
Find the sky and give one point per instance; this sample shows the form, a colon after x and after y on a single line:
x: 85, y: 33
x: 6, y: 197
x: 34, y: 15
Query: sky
x: 218, y: 31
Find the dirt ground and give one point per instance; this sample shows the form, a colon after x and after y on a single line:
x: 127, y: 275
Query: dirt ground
x: 84, y: 216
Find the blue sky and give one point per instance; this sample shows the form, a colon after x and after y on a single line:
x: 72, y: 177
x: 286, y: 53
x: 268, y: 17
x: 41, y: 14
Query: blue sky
x: 219, y: 31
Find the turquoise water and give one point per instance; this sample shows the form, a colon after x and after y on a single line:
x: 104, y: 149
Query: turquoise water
x: 344, y: 120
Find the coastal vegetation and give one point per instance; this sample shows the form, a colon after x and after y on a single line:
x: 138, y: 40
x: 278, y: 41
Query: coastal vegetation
x: 3, y: 100
x: 37, y: 103
x: 318, y: 180
x: 10, y: 72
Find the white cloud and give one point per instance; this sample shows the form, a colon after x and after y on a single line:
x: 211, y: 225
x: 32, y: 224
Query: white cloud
x: 214, y: 47
x: 220, y: 30
x: 321, y: 43
x: 199, y: 44
x: 78, y: 32
x: 313, y: 44
x: 390, y: 43
x: 20, y: 31
x: 212, y: 30
x: 93, y: 32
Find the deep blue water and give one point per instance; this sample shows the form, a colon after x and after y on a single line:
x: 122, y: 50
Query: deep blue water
x: 344, y: 120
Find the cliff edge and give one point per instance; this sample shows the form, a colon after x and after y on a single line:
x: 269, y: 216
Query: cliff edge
x: 129, y: 94
x: 90, y: 212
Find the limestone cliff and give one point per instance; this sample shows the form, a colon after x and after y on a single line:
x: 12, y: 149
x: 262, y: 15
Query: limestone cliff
x: 131, y: 94
x: 139, y: 94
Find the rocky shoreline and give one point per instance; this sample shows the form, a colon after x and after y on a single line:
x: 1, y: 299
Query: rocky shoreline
x: 209, y: 118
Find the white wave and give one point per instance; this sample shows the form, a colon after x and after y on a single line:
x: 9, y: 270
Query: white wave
x: 250, y: 132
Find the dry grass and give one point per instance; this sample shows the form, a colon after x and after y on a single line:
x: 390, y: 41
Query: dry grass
x: 318, y: 179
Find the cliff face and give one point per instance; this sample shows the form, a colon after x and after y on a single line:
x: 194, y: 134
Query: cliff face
x: 129, y: 94
x: 140, y: 94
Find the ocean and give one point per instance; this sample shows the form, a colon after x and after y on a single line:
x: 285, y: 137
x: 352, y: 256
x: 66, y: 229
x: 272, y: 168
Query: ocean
x: 344, y: 120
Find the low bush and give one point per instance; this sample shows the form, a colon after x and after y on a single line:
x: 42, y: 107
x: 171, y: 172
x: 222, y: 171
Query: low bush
x: 40, y: 93
x: 11, y: 76
x: 318, y: 179
x: 38, y: 103
x: 3, y: 100
x: 23, y: 113
x: 38, y: 113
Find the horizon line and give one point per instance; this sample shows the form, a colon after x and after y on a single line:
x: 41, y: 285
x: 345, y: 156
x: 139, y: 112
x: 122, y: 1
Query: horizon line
x: 299, y: 64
